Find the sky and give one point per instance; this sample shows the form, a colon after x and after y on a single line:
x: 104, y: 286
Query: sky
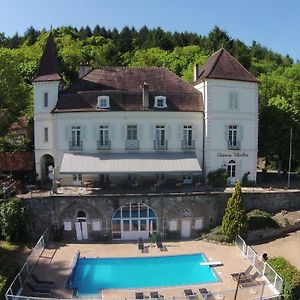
x: 273, y: 23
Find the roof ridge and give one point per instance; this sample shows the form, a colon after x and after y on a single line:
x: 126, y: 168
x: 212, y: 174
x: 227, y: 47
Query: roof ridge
x: 217, y: 59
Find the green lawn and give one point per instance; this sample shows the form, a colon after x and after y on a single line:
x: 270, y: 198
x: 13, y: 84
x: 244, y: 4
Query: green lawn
x: 11, y: 257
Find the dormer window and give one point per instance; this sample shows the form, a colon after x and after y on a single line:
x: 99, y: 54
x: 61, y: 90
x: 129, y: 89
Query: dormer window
x: 103, y: 102
x: 160, y: 102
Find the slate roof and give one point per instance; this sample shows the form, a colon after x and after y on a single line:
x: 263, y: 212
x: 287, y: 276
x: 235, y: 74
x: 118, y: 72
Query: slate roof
x: 222, y: 65
x: 123, y: 86
x: 48, y: 68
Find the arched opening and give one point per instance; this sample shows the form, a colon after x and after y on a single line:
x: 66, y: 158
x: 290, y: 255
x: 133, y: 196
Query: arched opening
x: 81, y: 216
x: 134, y: 220
x: 46, y: 171
x: 231, y: 169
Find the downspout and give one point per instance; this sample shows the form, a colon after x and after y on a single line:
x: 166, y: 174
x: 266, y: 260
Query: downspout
x: 203, y: 138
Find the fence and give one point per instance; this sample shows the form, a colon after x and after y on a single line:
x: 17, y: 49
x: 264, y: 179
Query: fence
x: 262, y: 266
x: 17, y: 285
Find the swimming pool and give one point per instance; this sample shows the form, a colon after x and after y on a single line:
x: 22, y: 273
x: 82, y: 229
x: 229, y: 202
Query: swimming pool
x: 94, y: 274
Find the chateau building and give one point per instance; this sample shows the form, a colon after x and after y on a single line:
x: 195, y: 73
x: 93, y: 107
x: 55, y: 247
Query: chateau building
x: 118, y: 126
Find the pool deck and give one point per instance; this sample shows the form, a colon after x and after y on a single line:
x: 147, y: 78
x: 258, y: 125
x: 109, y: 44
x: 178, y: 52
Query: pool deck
x: 54, y: 265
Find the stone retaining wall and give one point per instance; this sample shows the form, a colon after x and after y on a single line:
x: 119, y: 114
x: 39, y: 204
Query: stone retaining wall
x: 209, y: 207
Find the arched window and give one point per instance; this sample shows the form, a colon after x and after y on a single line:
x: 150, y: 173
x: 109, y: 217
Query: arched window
x: 231, y: 169
x: 133, y: 220
x: 81, y: 216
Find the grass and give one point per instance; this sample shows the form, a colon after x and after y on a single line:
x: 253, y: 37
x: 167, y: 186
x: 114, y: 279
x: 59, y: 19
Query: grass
x: 11, y: 257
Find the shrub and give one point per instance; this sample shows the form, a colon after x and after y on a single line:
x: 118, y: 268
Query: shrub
x: 235, y: 218
x: 217, y: 234
x: 259, y: 219
x: 14, y: 218
x: 8, y: 271
x: 290, y: 276
x: 217, y: 178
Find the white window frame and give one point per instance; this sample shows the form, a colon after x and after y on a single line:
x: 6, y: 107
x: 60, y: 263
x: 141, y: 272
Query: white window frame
x: 233, y: 135
x: 132, y: 132
x: 233, y: 101
x: 103, y: 102
x: 77, y: 179
x: 76, y: 135
x: 188, y: 135
x: 104, y: 134
x: 160, y: 135
x: 231, y: 169
x: 160, y: 102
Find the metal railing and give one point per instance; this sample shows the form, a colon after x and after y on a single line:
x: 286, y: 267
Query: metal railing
x: 75, y: 146
x: 160, y: 144
x: 104, y: 145
x: 187, y: 145
x: 262, y: 266
x: 234, y: 145
x: 18, y: 283
x: 132, y: 144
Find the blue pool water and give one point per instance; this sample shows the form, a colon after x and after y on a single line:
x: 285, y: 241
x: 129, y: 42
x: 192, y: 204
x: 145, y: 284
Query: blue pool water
x: 94, y: 274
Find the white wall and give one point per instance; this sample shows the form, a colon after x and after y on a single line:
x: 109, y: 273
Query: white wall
x: 118, y: 121
x: 218, y: 114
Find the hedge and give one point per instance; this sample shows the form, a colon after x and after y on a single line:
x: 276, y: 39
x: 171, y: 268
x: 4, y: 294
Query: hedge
x: 290, y: 276
x: 8, y: 271
x: 259, y: 219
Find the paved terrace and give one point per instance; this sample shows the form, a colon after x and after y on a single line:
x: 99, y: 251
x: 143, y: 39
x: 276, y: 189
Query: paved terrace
x: 55, y: 262
x: 185, y: 189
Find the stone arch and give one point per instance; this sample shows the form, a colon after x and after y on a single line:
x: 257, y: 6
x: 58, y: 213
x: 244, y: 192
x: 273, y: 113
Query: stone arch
x: 46, y: 161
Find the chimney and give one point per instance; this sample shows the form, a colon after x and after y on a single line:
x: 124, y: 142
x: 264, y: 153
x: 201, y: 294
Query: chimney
x: 145, y: 87
x: 83, y: 70
x: 196, y: 71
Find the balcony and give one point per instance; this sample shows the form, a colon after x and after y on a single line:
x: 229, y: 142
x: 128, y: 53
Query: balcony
x: 160, y: 144
x: 75, y: 146
x: 103, y: 145
x: 132, y: 144
x: 234, y: 145
x: 188, y: 145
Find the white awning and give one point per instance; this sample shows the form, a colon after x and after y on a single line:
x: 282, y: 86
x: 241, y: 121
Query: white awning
x: 104, y: 163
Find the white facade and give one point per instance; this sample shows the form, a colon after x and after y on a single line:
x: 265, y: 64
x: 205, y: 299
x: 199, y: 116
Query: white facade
x: 231, y: 126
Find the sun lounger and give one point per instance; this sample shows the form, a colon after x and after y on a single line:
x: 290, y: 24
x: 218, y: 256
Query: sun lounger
x: 249, y: 278
x: 203, y: 292
x: 139, y: 295
x: 244, y: 273
x: 190, y: 295
x: 41, y: 282
x: 141, y: 245
x: 249, y: 284
x: 38, y: 290
x: 160, y: 245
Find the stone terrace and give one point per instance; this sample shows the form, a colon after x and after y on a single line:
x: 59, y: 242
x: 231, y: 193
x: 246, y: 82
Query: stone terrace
x: 55, y: 262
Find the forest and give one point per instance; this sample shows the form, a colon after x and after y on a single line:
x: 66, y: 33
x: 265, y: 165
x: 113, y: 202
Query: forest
x: 279, y: 76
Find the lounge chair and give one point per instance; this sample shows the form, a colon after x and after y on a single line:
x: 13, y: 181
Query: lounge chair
x: 139, y: 295
x: 160, y: 245
x: 155, y: 295
x: 190, y: 295
x: 141, y: 245
x: 41, y: 282
x: 249, y: 278
x: 38, y: 290
x: 244, y: 273
x: 204, y: 292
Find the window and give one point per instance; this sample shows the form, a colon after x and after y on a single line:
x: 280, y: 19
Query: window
x: 46, y: 134
x: 160, y: 102
x: 160, y: 135
x: 131, y: 132
x: 45, y: 99
x: 77, y: 178
x: 104, y: 135
x: 232, y: 136
x: 188, y: 135
x: 233, y: 101
x: 76, y: 136
x: 231, y: 169
x: 103, y: 102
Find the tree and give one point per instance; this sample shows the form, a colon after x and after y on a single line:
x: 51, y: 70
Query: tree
x: 235, y: 218
x: 14, y: 216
